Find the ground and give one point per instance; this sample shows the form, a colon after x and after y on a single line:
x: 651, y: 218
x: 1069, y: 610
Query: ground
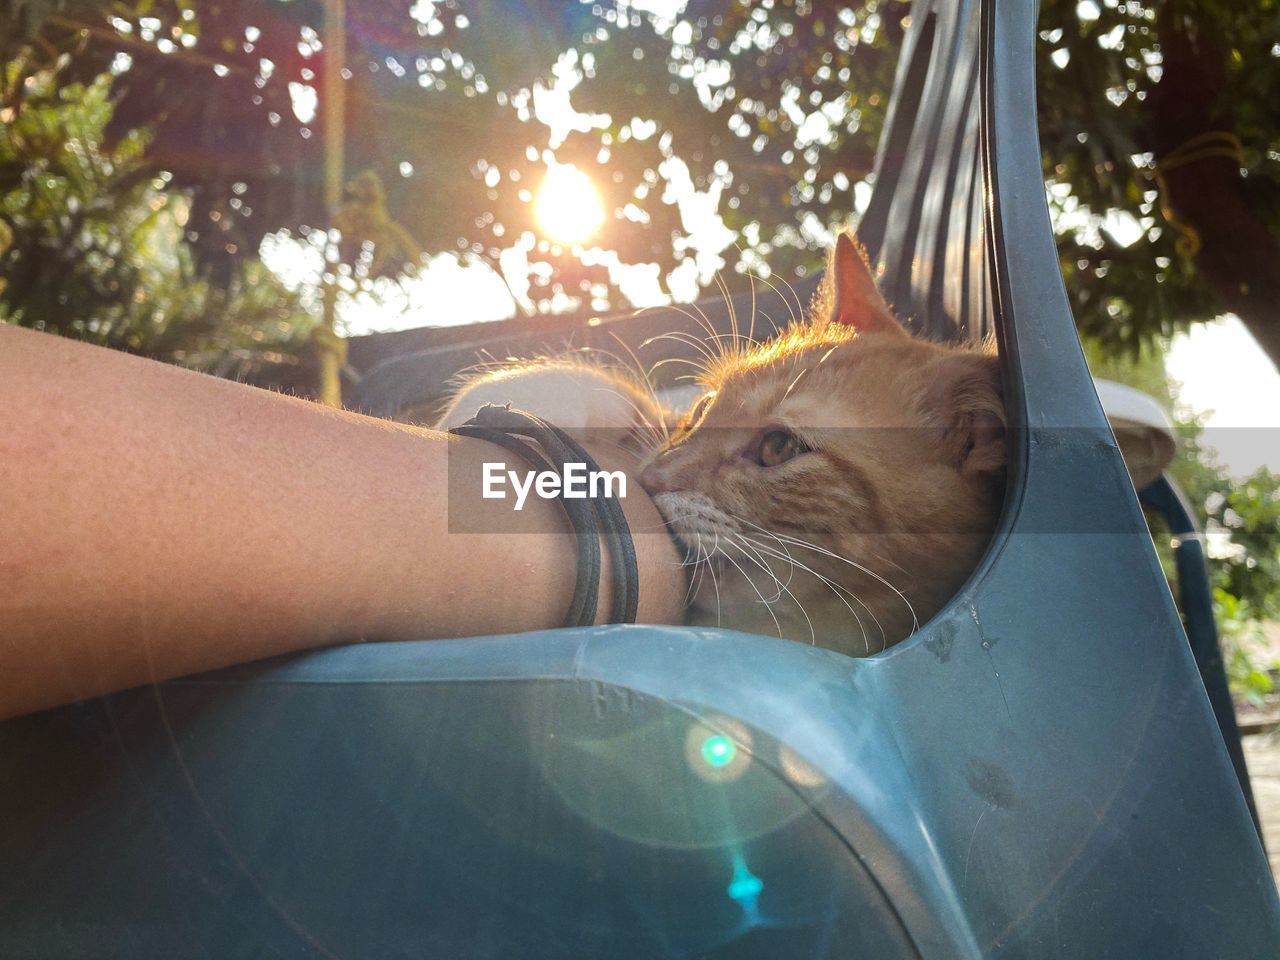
x: 1262, y: 752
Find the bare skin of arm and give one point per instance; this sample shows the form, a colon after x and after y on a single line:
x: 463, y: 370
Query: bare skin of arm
x: 156, y: 522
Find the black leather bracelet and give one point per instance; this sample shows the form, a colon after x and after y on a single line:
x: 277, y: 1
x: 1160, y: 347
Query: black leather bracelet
x: 589, y: 517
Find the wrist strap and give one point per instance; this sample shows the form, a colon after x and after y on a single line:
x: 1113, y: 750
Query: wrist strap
x: 589, y: 518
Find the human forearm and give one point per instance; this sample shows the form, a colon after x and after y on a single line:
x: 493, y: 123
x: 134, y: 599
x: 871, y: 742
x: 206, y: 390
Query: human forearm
x: 156, y: 522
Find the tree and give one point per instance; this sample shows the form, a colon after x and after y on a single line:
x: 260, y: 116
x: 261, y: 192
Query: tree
x: 92, y: 242
x: 1149, y: 113
x: 1163, y: 117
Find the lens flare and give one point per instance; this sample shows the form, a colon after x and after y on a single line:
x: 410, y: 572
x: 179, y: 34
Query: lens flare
x: 745, y: 887
x: 568, y: 206
x: 718, y: 751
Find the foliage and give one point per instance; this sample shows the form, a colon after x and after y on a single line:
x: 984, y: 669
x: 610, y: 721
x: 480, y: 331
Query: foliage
x: 769, y: 111
x: 1241, y: 516
x: 1238, y: 625
x: 1101, y: 70
x: 96, y: 247
x: 772, y: 109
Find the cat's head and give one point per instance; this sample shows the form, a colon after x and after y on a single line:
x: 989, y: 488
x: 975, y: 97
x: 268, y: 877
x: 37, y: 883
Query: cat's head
x: 836, y: 484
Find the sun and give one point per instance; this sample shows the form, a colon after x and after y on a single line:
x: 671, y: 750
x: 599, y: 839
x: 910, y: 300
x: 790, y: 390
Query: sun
x: 568, y: 206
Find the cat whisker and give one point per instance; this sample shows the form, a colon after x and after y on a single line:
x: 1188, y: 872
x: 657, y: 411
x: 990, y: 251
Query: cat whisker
x: 700, y: 319
x: 767, y: 605
x: 738, y: 338
x: 645, y: 378
x: 754, y: 557
x: 794, y: 296
x: 714, y: 579
x: 700, y: 368
x: 915, y: 621
x: 840, y: 591
x: 728, y: 302
x: 782, y: 588
x: 642, y: 426
x: 794, y: 315
x: 752, y: 276
x: 689, y: 340
x: 751, y: 329
x: 744, y: 543
x: 705, y: 323
x: 685, y: 516
x: 696, y: 578
x: 803, y: 371
x: 781, y: 539
x: 830, y: 584
x: 889, y: 562
x: 694, y: 582
x: 731, y: 337
x: 712, y: 335
x: 708, y: 349
x: 698, y: 554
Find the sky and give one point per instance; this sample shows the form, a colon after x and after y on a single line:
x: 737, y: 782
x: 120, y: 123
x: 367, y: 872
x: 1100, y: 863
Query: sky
x: 1224, y: 373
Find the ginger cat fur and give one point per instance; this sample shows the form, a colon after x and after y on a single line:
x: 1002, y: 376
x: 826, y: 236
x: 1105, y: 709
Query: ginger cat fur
x: 834, y: 485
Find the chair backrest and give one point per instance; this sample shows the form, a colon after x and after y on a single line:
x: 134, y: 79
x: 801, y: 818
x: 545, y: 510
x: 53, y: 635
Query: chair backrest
x: 925, y: 219
x: 1061, y: 697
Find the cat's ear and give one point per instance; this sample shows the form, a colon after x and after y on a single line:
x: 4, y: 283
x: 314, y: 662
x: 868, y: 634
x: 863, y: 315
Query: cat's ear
x: 964, y: 394
x: 853, y: 295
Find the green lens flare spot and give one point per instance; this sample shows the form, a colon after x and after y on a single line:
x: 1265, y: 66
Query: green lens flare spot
x: 745, y: 887
x: 718, y: 751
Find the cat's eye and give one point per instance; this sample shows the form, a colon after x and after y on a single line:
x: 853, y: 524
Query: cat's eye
x: 779, y: 446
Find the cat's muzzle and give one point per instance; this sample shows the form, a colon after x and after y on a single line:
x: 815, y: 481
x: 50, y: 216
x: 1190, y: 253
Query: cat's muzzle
x: 694, y: 521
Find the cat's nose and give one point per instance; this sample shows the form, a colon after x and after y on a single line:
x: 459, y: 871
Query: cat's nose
x: 655, y: 479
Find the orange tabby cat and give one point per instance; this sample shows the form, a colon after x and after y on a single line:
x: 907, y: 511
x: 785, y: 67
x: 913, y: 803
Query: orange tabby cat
x: 838, y: 484
x: 835, y: 485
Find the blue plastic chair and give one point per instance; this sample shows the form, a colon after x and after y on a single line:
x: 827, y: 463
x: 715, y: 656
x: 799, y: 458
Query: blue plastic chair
x: 1036, y: 774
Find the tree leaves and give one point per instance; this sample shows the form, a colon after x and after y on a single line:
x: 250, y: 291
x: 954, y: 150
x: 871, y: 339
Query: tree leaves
x: 96, y: 246
x: 774, y: 108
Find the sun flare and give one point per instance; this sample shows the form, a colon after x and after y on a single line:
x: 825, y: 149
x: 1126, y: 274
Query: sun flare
x: 567, y: 205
